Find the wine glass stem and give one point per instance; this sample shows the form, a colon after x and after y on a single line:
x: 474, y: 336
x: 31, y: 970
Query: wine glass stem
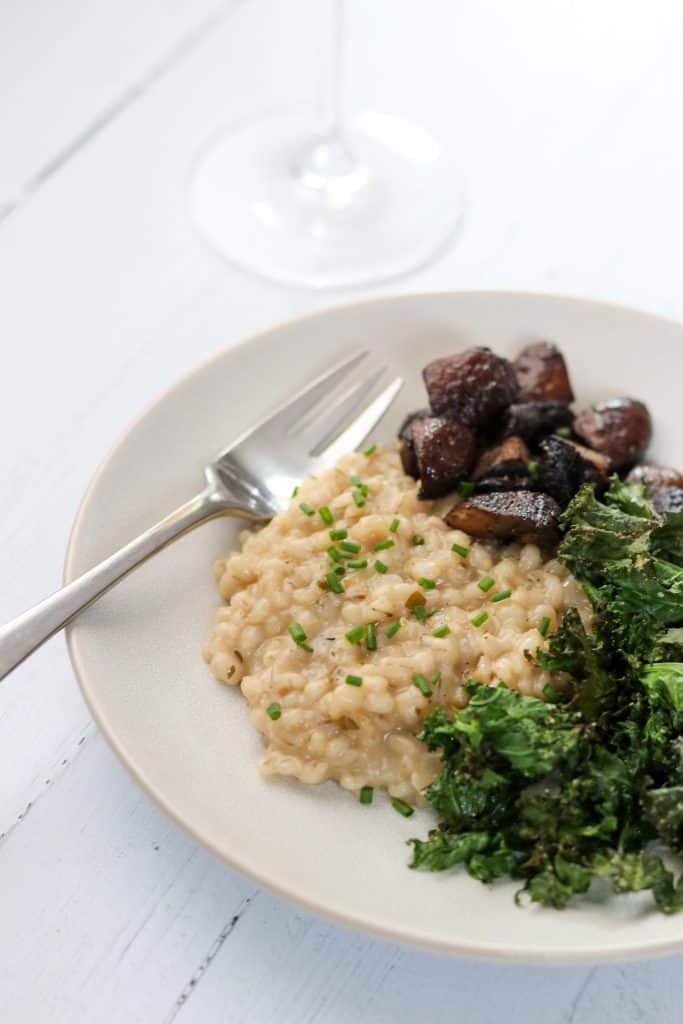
x: 327, y: 159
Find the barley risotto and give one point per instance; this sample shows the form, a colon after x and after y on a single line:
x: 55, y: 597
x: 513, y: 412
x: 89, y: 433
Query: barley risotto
x: 357, y: 611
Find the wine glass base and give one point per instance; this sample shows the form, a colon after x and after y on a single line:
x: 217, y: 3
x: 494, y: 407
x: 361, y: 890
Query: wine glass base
x: 259, y: 200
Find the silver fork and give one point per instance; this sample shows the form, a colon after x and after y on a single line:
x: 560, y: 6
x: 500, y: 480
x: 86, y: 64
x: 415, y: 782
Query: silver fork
x: 252, y: 478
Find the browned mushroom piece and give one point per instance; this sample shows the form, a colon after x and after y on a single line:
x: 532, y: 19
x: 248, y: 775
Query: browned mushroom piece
x: 531, y: 420
x: 621, y: 429
x: 472, y: 387
x: 406, y: 444
x: 509, y: 458
x: 523, y: 515
x: 445, y: 451
x: 597, y: 466
x: 495, y: 484
x: 655, y: 476
x: 566, y: 465
x: 666, y: 498
x: 542, y: 374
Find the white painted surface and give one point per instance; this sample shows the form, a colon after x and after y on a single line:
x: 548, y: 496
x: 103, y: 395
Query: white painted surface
x: 567, y: 118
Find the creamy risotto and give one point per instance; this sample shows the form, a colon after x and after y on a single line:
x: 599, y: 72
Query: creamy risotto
x: 340, y: 669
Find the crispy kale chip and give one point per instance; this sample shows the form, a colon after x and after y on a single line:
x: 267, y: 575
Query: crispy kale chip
x: 579, y: 787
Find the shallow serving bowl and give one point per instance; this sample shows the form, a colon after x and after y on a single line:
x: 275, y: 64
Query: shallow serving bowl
x: 188, y: 741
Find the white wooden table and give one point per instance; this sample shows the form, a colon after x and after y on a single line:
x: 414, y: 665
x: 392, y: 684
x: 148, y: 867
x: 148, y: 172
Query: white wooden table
x: 568, y: 120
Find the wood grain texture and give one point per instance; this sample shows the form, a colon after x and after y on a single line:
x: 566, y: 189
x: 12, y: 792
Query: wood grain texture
x: 564, y: 117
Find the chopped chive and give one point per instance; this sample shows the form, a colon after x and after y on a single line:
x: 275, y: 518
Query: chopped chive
x: 370, y: 451
x: 380, y: 566
x: 338, y: 534
x: 366, y: 794
x: 403, y: 808
x: 363, y: 488
x: 295, y: 491
x: 460, y: 550
x: 502, y: 595
x: 339, y: 570
x: 420, y: 611
x: 355, y: 479
x: 436, y: 678
x: 334, y: 583
x: 422, y: 684
x: 357, y: 563
x: 358, y: 498
x: 426, y: 583
x: 354, y: 680
x: 349, y: 545
x: 384, y: 546
x: 479, y: 619
x: 564, y: 431
x: 306, y: 509
x: 465, y: 488
x: 417, y: 541
x: 355, y: 635
x: 334, y: 554
x: 395, y: 523
x: 299, y: 637
x: 532, y: 467
x: 441, y: 631
x: 486, y: 583
x: 274, y: 711
x: 544, y: 625
x: 325, y: 515
x: 371, y: 639
x: 393, y: 629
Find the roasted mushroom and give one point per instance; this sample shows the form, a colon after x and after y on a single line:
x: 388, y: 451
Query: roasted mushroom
x: 495, y: 484
x: 524, y: 515
x: 542, y: 374
x: 472, y: 387
x: 620, y: 429
x: 666, y: 498
x: 407, y: 446
x: 655, y: 476
x: 597, y: 466
x: 445, y: 451
x: 531, y: 420
x: 509, y: 458
x: 566, y: 465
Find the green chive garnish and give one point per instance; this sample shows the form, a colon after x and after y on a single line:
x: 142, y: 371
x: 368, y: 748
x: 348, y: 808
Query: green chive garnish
x: 274, y: 711
x: 370, y: 451
x: 544, y: 625
x: 395, y: 523
x: 380, y: 566
x: 417, y: 541
x: 358, y: 498
x: 338, y: 534
x: 299, y: 637
x: 436, y: 678
x: 366, y: 794
x: 295, y: 491
x: 564, y: 431
x: 422, y: 684
x: 403, y: 808
x: 349, y: 545
x: 486, y: 583
x: 371, y: 639
x: 384, y: 546
x: 334, y: 583
x: 420, y: 611
x: 335, y: 555
x: 357, y: 563
x: 306, y: 509
x: 479, y: 619
x: 355, y: 635
x: 339, y: 570
x: 355, y: 479
x: 426, y: 584
x: 460, y: 550
x: 441, y: 631
x: 392, y: 630
x: 532, y: 467
x: 465, y: 488
x: 354, y: 680
x: 325, y: 515
x: 502, y: 595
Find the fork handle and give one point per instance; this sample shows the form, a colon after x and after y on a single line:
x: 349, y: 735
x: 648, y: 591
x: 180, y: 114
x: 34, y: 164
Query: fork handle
x: 28, y: 631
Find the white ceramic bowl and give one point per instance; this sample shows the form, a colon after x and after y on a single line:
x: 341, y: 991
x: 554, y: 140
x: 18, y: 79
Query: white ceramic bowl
x: 188, y: 740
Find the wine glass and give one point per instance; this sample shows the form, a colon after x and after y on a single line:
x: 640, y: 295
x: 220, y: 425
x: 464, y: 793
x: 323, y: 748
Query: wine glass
x: 328, y: 201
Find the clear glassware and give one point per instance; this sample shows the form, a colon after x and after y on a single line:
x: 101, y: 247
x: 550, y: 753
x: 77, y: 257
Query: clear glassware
x: 327, y: 201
